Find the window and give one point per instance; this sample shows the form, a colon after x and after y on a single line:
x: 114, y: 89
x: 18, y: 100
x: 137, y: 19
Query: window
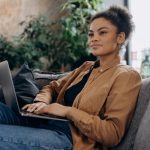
x: 140, y: 41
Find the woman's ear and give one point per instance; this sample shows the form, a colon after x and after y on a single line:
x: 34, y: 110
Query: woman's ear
x: 121, y: 38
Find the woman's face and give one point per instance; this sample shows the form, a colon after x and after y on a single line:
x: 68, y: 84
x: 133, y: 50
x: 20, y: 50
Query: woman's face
x: 103, y: 37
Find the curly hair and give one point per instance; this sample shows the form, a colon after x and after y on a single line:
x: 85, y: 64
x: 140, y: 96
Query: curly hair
x: 118, y: 16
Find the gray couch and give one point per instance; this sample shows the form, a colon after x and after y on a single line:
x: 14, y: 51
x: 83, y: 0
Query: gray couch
x: 137, y: 136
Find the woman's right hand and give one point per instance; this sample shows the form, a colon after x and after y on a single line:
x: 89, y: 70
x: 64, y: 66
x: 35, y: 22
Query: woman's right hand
x: 34, y: 106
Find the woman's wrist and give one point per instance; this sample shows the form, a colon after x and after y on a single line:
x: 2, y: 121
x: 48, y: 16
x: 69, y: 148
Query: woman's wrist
x: 68, y: 109
x: 37, y: 101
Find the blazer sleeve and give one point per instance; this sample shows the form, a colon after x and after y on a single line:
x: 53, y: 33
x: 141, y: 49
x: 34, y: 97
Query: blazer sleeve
x: 48, y: 92
x: 119, y: 108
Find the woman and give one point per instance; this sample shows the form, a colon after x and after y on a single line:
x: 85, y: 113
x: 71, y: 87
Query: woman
x: 99, y: 97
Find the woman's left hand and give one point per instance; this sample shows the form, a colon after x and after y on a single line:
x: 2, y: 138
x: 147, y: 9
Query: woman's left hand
x: 54, y: 109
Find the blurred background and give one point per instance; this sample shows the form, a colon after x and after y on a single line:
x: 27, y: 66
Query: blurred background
x: 51, y: 35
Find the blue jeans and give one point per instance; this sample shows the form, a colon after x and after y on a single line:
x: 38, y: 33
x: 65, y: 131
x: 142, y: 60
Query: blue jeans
x: 23, y: 133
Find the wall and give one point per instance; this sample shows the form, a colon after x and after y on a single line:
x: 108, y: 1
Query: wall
x: 108, y: 3
x: 15, y: 11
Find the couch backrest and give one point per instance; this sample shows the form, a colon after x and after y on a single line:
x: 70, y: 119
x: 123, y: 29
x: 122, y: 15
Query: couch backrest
x: 142, y: 140
x: 43, y: 79
x: 127, y: 142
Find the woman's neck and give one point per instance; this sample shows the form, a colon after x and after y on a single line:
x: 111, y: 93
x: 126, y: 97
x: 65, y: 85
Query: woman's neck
x: 104, y: 60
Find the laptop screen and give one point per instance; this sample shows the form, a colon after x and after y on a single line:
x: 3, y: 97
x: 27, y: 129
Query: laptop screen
x: 7, y: 86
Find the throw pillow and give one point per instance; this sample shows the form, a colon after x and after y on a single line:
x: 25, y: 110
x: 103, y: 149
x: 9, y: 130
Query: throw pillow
x: 25, y: 85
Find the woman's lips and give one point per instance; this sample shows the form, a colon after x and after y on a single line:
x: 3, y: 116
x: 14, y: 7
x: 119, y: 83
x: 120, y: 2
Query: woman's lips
x: 95, y: 46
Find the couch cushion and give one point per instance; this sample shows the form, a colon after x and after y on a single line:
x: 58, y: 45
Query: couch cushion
x: 127, y: 142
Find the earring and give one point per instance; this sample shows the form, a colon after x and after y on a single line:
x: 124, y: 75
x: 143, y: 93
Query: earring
x: 119, y: 45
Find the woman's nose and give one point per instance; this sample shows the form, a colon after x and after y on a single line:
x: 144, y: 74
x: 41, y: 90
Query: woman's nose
x: 95, y: 37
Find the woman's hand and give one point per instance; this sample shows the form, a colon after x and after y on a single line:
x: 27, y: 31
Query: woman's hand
x: 54, y: 108
x: 34, y: 106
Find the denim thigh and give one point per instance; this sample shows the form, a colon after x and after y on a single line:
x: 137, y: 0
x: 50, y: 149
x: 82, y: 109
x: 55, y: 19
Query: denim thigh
x: 28, y: 138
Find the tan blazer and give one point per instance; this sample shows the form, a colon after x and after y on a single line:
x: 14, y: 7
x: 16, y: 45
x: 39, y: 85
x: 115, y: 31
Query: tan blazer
x: 102, y: 111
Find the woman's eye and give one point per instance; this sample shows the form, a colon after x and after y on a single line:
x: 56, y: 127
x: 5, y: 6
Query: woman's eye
x: 90, y: 34
x: 102, y: 32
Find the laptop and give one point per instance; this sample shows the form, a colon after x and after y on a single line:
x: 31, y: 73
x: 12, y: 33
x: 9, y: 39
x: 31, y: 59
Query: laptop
x: 10, y: 97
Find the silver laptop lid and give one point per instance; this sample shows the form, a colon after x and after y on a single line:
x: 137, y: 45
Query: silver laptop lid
x: 7, y: 85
